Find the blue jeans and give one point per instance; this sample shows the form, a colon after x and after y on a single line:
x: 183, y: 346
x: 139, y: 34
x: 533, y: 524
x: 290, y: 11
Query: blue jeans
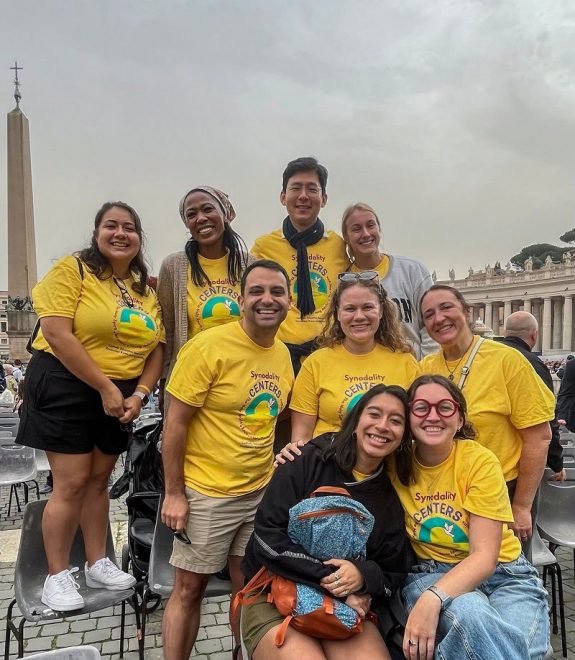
x: 505, y: 618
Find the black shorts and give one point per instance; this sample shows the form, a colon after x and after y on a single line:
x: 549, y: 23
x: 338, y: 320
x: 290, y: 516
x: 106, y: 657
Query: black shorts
x: 60, y: 413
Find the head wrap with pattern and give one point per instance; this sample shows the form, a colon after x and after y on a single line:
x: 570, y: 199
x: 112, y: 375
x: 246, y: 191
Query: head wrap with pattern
x: 220, y: 197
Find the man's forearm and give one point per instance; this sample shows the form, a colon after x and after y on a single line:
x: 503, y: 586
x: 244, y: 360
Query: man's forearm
x: 173, y: 447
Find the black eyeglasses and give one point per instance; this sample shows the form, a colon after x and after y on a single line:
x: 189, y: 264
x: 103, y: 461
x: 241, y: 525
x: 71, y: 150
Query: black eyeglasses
x: 126, y: 297
x: 444, y: 408
x: 363, y: 276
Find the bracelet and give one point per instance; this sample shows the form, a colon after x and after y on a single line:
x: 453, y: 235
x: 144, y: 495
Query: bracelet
x: 142, y: 396
x: 144, y: 388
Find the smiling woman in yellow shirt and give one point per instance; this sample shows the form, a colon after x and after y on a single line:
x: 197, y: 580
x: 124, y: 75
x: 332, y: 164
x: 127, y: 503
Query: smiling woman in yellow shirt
x: 97, y: 355
x: 362, y: 346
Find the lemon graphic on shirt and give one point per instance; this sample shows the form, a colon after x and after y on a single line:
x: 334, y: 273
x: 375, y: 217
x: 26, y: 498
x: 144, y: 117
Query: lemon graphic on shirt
x: 260, y: 415
x: 319, y: 290
x: 219, y: 310
x: 442, y: 531
x: 134, y: 327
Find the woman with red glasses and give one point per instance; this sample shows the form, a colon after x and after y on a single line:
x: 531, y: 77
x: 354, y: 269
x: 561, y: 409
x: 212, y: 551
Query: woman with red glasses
x: 361, y: 345
x: 473, y: 594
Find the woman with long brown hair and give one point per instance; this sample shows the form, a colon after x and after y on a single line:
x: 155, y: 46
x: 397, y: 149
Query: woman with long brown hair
x: 97, y: 355
x: 361, y: 345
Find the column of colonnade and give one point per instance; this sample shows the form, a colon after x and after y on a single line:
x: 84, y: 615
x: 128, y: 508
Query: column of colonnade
x: 553, y: 313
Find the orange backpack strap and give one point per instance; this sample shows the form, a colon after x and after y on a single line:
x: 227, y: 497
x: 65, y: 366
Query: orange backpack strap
x: 328, y: 604
x: 330, y: 490
x: 281, y: 633
x: 252, y: 591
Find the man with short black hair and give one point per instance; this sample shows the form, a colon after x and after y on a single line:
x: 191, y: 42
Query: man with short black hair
x: 228, y: 386
x: 312, y: 255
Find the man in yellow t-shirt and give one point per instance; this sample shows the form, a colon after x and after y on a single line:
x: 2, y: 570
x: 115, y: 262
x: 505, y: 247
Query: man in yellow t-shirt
x: 312, y: 255
x: 228, y: 386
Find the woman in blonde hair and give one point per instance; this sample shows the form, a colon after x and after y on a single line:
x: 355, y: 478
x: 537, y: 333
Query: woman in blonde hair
x: 404, y: 279
x: 361, y: 345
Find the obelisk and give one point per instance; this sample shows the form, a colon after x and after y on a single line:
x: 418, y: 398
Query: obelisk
x: 22, y: 271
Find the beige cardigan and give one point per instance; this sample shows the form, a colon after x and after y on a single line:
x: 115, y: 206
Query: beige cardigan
x: 173, y: 296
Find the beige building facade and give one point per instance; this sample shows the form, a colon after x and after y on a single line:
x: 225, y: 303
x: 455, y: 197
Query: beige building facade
x: 547, y: 293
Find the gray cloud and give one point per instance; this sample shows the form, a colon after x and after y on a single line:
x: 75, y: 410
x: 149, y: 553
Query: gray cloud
x: 453, y: 118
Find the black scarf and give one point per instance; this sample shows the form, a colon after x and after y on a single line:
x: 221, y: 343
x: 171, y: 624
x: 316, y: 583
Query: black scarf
x: 299, y: 240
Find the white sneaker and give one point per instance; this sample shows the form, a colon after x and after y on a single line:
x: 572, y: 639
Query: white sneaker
x: 60, y: 592
x: 104, y: 574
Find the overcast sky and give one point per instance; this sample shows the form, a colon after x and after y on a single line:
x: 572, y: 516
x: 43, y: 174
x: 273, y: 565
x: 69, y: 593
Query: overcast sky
x: 455, y: 119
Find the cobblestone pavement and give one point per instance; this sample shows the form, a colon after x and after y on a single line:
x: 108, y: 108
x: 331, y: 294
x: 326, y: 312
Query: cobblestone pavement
x: 102, y: 629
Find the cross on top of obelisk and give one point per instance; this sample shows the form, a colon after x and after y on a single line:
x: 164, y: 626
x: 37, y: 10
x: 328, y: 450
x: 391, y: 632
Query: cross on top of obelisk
x: 17, y: 94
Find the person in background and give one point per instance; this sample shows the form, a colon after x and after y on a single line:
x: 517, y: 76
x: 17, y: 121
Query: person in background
x: 560, y: 369
x: 199, y: 287
x: 405, y: 280
x: 508, y: 404
x: 472, y: 594
x: 17, y: 371
x: 227, y: 388
x: 97, y: 355
x: 566, y: 397
x: 520, y: 332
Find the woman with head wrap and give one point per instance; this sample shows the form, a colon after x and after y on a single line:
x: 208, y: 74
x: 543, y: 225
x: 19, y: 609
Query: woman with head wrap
x: 199, y: 287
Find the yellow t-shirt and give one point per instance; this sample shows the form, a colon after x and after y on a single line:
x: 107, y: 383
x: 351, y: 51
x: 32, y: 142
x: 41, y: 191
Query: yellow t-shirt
x: 332, y: 380
x: 438, y: 504
x: 503, y: 394
x: 117, y: 337
x: 239, y: 389
x: 381, y: 268
x: 326, y: 259
x: 215, y: 303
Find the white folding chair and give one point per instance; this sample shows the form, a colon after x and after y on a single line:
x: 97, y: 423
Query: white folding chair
x: 17, y: 466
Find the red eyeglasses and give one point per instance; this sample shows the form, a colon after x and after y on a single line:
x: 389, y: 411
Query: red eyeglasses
x: 444, y: 408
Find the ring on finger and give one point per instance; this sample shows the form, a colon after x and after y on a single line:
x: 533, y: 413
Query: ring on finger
x: 411, y: 642
x: 345, y: 592
x: 336, y: 578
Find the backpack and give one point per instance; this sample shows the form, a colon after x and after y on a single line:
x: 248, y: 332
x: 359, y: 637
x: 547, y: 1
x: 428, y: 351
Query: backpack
x: 334, y: 526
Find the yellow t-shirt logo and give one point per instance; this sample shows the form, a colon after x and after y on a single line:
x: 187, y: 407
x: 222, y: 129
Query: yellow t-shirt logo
x: 134, y: 327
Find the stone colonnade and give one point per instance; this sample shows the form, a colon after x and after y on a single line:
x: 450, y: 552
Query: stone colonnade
x: 554, y: 314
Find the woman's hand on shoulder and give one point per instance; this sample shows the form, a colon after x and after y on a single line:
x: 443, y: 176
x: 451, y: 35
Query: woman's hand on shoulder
x: 112, y: 400
x: 346, y: 580
x: 289, y: 452
x: 421, y: 628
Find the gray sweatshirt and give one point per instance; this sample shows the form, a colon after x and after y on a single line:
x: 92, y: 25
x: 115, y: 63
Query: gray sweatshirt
x: 405, y: 283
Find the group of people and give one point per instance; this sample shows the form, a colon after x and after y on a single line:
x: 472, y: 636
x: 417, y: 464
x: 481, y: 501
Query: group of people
x: 442, y: 435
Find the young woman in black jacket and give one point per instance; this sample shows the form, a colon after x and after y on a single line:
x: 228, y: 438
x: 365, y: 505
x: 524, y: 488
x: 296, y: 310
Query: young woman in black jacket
x: 355, y: 459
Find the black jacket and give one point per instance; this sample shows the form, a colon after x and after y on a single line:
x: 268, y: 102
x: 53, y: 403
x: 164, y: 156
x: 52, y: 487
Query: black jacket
x: 555, y: 451
x: 566, y: 396
x: 389, y: 554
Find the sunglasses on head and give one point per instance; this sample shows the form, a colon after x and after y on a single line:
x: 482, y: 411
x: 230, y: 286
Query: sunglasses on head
x: 363, y: 276
x: 444, y: 408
